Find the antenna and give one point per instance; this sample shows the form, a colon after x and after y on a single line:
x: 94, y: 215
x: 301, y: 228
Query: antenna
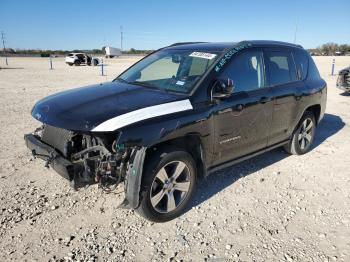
x: 295, y: 32
x: 121, y: 37
x: 3, y: 44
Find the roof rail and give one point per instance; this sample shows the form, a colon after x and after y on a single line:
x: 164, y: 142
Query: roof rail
x: 186, y: 43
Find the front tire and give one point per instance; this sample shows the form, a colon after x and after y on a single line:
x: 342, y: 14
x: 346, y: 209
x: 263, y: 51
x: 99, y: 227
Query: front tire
x: 167, y: 186
x: 303, y: 136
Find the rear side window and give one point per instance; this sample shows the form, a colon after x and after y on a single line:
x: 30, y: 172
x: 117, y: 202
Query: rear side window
x: 301, y: 60
x: 313, y: 73
x: 281, y: 70
x: 246, y: 71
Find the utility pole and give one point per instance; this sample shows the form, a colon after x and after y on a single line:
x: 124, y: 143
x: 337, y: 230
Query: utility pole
x: 3, y: 44
x: 121, y: 37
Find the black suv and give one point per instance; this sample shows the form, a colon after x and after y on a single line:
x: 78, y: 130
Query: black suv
x: 182, y: 112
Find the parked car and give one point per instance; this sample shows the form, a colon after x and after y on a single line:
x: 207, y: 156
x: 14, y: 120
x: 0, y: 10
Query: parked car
x: 78, y: 59
x: 343, y: 81
x: 182, y: 112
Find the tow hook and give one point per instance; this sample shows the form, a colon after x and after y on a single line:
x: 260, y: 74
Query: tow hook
x: 48, y: 158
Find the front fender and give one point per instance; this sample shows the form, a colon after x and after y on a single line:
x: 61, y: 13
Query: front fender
x: 150, y: 132
x: 134, y: 176
x: 144, y: 135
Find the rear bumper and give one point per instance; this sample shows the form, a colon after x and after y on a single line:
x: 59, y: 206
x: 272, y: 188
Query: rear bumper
x: 52, y: 157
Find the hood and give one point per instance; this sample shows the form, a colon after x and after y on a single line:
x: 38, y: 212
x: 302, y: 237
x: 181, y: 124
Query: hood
x: 106, y: 107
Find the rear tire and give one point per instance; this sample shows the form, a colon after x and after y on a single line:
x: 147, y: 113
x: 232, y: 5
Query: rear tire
x: 168, y: 184
x: 303, y: 136
x: 77, y: 63
x: 94, y: 62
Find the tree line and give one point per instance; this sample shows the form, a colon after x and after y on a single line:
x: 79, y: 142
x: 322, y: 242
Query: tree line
x: 331, y: 49
x: 325, y: 49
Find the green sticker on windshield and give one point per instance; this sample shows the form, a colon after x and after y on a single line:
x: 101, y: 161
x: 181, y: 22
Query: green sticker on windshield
x: 229, y: 54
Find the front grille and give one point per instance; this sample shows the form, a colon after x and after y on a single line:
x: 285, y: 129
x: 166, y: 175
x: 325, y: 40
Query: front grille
x: 56, y: 137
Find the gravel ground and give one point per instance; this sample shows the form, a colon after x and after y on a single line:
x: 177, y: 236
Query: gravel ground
x: 274, y: 207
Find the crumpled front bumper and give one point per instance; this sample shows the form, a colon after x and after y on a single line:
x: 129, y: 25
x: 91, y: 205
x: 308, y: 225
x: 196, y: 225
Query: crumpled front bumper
x: 52, y: 157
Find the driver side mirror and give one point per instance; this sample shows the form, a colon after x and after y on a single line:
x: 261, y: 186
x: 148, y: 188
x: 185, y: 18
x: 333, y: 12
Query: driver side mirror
x: 222, y: 88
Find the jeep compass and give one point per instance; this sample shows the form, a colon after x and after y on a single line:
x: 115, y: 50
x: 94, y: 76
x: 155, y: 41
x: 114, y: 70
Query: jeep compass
x: 182, y: 112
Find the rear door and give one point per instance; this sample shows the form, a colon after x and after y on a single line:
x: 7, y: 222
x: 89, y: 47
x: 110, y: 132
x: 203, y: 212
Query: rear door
x: 242, y: 121
x: 282, y: 79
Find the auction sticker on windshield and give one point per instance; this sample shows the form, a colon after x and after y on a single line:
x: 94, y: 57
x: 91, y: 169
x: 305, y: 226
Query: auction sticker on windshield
x: 203, y: 55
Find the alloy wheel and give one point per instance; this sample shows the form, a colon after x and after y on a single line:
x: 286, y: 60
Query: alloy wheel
x: 170, y: 186
x: 306, y: 133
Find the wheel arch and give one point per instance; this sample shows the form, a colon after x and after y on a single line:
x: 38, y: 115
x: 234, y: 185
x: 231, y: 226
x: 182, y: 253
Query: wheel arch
x: 316, y: 110
x: 190, y: 143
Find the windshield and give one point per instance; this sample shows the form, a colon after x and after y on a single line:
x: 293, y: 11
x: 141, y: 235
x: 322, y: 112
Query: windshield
x: 171, y: 70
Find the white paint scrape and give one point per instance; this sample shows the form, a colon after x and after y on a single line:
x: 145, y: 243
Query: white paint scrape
x: 142, y: 114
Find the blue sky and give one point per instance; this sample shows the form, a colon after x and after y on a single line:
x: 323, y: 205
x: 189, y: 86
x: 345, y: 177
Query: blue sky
x: 63, y: 24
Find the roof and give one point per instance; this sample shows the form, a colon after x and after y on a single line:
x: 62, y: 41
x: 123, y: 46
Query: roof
x: 221, y: 46
x: 78, y: 53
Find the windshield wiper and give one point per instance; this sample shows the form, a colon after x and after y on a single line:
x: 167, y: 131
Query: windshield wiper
x: 144, y: 84
x: 122, y: 80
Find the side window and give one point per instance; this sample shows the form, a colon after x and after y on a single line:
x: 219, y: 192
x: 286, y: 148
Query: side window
x: 313, y: 73
x: 302, y: 63
x: 246, y: 71
x: 281, y: 69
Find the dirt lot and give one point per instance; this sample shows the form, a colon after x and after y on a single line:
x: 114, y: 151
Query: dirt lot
x: 274, y: 207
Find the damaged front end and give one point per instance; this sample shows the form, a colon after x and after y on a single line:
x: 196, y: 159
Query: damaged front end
x: 83, y: 158
x: 343, y: 81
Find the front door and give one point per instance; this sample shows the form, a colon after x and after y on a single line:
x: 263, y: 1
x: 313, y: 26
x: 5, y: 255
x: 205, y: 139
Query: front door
x: 242, y: 121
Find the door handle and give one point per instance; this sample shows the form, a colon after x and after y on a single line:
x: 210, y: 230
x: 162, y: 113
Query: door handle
x: 265, y: 99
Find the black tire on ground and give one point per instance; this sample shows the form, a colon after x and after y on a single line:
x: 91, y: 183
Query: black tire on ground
x: 173, y: 198
x: 77, y: 63
x: 94, y: 62
x: 303, y: 136
x: 70, y: 64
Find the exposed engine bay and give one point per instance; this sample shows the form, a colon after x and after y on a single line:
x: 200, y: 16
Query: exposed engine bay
x: 94, y: 158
